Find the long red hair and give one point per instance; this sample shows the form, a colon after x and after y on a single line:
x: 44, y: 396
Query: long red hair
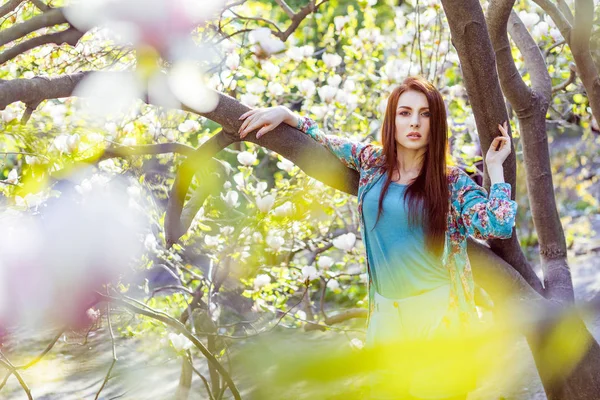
x: 428, y: 195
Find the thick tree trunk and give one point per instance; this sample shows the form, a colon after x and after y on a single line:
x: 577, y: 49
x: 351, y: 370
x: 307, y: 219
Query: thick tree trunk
x: 565, y: 374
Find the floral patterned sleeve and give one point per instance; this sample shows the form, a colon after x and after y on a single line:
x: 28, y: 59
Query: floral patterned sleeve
x: 350, y: 152
x: 483, y: 217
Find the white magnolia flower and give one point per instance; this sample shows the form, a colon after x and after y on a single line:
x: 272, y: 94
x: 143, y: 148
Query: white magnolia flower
x: 309, y: 272
x: 352, y: 102
x: 13, y: 176
x: 275, y: 242
x: 129, y: 127
x: 66, y: 143
x: 340, y: 21
x: 349, y: 85
x: 333, y: 284
x: 231, y: 198
x: 233, y: 61
x: 319, y: 111
x: 342, y: 97
x: 295, y: 53
x: 334, y: 80
x: 31, y: 200
x: 541, y: 29
x: 345, y: 242
x: 285, y: 165
x: 188, y: 125
x: 8, y: 115
x: 261, y: 280
x: 246, y: 158
x: 356, y: 342
x: 150, y: 243
x: 308, y: 50
x: 256, y: 86
x: 529, y: 18
x: 300, y: 314
x: 84, y: 187
x: 307, y: 87
x: 263, y: 38
x: 325, y: 262
x: 396, y: 70
x: 95, y: 137
x: 129, y: 141
x: 270, y: 69
x: 555, y: 34
x: 211, y: 241
x: 332, y: 60
x: 180, y: 342
x: 250, y: 99
x: 327, y: 93
x: 382, y: 105
x: 239, y: 179
x: 226, y: 230
x: 276, y: 89
x: 284, y: 210
x: 33, y: 160
x: 73, y: 142
x: 257, y: 237
x: 261, y: 187
x: 111, y: 129
x: 265, y: 204
x: 470, y: 150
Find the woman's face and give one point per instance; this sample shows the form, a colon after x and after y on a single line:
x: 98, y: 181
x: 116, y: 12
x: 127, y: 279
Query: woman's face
x: 412, y: 121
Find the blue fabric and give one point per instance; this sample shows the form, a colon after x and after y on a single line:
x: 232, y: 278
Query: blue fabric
x: 400, y: 263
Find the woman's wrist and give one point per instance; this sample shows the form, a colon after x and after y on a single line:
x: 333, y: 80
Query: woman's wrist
x: 496, y: 173
x: 290, y: 118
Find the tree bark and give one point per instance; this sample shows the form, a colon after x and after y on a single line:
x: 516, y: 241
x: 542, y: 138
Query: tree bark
x: 575, y: 378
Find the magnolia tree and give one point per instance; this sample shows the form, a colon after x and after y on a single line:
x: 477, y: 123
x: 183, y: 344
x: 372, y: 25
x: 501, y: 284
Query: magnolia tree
x: 127, y: 188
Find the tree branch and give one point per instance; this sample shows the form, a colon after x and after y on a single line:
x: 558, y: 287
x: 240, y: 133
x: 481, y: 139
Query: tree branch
x: 179, y: 327
x: 580, y: 47
x: 478, y: 64
x: 533, y: 58
x: 40, y: 5
x: 570, y: 79
x: 513, y: 86
x: 288, y: 10
x: 70, y: 36
x: 50, y: 18
x: 562, y: 23
x: 9, y: 6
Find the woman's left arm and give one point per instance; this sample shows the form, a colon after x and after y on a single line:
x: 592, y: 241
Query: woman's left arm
x: 493, y: 217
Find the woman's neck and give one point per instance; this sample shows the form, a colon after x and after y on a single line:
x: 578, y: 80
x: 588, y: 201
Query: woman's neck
x: 409, y: 161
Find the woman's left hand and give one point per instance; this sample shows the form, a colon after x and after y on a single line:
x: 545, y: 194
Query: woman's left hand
x: 497, y: 157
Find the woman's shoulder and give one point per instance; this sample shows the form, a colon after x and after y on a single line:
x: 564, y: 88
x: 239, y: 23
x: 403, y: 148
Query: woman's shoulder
x: 373, y: 155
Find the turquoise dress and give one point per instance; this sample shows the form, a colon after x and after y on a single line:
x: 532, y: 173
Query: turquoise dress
x: 401, y: 265
x: 412, y: 295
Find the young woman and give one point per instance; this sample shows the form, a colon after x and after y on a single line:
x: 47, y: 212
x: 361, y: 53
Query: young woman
x: 415, y: 215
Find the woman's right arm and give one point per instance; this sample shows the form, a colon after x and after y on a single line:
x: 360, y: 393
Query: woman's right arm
x: 350, y: 153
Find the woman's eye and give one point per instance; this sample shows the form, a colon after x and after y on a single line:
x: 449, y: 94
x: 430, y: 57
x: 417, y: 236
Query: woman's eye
x: 427, y: 114
x: 404, y: 113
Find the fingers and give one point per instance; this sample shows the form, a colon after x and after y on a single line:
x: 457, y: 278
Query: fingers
x: 504, y: 129
x: 263, y: 130
x: 500, y: 141
x: 251, y: 123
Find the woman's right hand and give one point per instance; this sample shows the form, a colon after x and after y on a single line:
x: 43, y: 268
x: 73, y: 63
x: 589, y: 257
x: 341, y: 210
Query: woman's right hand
x: 266, y: 119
